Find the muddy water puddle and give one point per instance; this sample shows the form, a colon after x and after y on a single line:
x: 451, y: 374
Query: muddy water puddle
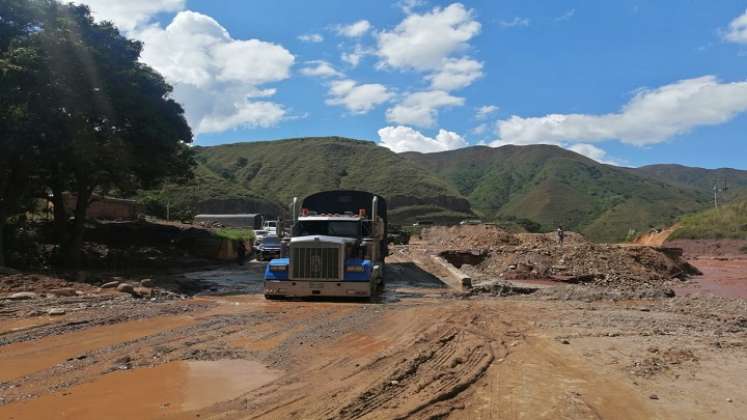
x: 231, y: 280
x: 721, y: 277
x: 166, y: 391
x: 19, y: 359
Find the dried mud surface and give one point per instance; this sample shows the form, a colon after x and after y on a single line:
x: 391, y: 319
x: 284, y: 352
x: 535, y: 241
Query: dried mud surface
x: 418, y: 351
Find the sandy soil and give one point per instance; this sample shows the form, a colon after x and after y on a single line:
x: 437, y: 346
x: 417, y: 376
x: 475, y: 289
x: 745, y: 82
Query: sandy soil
x: 419, y: 351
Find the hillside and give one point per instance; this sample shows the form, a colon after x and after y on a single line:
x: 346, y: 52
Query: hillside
x: 554, y: 186
x: 727, y: 222
x: 530, y: 185
x: 701, y: 179
x: 280, y: 170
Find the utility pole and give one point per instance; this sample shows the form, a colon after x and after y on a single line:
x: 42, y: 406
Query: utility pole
x: 718, y: 189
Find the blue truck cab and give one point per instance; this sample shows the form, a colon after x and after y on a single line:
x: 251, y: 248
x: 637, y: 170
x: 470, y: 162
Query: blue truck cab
x: 336, y: 248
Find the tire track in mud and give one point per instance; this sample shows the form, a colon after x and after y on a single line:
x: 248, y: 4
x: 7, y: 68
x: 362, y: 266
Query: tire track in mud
x: 439, y: 367
x: 425, y: 374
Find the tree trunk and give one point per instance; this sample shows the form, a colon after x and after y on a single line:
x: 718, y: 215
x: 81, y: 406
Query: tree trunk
x: 60, y: 215
x: 75, y: 236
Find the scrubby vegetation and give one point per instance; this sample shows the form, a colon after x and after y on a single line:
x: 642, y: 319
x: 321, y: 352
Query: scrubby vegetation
x: 236, y: 234
x: 727, y: 222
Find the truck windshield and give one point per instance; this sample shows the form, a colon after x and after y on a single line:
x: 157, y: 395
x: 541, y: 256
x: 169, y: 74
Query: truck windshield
x: 328, y: 227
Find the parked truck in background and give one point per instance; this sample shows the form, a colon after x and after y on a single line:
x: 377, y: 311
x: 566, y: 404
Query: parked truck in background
x: 337, y: 247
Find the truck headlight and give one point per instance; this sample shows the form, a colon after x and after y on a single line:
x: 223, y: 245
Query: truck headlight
x: 278, y: 268
x: 355, y: 268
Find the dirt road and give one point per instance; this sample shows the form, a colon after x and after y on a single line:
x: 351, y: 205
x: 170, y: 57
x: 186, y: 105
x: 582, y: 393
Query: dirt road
x: 421, y: 351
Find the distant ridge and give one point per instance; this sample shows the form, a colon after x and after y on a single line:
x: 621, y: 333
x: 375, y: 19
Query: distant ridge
x: 543, y: 184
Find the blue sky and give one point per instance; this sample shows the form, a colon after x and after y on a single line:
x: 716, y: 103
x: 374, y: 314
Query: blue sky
x: 627, y: 82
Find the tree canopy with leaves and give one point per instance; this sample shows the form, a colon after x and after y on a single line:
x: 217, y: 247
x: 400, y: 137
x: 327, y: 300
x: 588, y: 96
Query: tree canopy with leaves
x: 83, y: 114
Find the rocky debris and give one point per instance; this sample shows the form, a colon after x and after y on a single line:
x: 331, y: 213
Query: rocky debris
x: 146, y: 282
x: 500, y: 288
x: 592, y: 293
x: 142, y: 292
x: 110, y: 285
x: 56, y: 312
x: 487, y: 253
x: 466, y: 237
x: 126, y: 288
x: 23, y: 296
x: 42, y: 284
x: 63, y: 291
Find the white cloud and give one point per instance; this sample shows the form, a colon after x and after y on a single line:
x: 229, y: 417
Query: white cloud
x: 405, y: 139
x: 566, y: 16
x: 455, y: 74
x: 130, y: 14
x: 421, y: 108
x: 485, y: 111
x: 311, y: 38
x: 738, y: 30
x: 427, y: 43
x: 242, y: 113
x: 354, y: 57
x: 354, y: 30
x: 423, y: 42
x: 592, y: 152
x: 320, y: 68
x: 408, y: 6
x: 215, y: 76
x: 358, y: 99
x: 515, y: 22
x: 652, y: 116
x: 480, y: 129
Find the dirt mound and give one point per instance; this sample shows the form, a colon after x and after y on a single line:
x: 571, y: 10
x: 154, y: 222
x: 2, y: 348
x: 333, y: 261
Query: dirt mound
x: 603, y: 265
x: 550, y: 239
x: 38, y: 284
x: 488, y: 253
x: 466, y: 237
x: 487, y: 237
x: 655, y: 237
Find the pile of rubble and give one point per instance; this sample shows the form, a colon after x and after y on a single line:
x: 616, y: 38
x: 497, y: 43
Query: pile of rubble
x: 22, y: 287
x: 487, y: 253
x: 464, y: 237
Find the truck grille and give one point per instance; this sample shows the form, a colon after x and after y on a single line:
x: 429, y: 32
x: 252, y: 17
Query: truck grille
x: 315, y: 263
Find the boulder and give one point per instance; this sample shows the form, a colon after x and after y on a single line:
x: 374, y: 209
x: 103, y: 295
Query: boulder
x: 110, y: 285
x: 126, y: 288
x: 23, y: 296
x: 143, y: 292
x: 56, y: 312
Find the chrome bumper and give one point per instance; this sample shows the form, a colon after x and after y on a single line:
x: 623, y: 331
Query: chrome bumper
x: 302, y: 288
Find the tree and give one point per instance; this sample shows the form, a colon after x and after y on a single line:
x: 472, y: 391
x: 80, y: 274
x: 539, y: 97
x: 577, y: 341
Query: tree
x: 106, y: 122
x: 122, y: 131
x: 20, y: 100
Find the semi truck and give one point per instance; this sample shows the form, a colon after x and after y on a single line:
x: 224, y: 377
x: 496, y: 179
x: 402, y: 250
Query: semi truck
x: 336, y: 248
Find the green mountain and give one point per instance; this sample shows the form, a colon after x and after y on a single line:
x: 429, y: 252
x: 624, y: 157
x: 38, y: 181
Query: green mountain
x: 732, y: 182
x: 539, y: 185
x: 280, y: 170
x: 554, y: 186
